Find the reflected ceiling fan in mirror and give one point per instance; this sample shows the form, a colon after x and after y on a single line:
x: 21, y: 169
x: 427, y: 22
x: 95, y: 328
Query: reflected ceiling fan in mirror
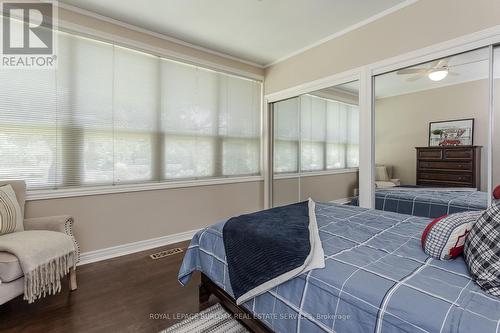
x: 436, y: 71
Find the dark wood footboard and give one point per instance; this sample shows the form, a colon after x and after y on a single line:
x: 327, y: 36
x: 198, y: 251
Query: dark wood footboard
x: 208, y: 288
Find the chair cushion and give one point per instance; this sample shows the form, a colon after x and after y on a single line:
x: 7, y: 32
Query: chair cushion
x: 384, y: 184
x: 482, y: 251
x: 11, y: 218
x: 10, y: 269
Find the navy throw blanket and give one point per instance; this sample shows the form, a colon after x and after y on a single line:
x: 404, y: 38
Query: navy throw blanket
x: 262, y: 247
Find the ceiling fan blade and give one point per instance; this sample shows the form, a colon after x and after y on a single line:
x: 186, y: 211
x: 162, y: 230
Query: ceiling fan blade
x: 441, y: 63
x: 411, y: 71
x: 433, y: 64
x: 414, y: 78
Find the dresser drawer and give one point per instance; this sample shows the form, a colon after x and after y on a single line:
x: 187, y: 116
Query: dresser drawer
x: 440, y: 183
x: 449, y: 177
x: 430, y: 154
x: 444, y: 165
x: 458, y: 154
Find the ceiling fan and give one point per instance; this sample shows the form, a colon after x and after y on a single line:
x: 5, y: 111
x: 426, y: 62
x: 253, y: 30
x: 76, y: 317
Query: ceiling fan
x: 436, y: 71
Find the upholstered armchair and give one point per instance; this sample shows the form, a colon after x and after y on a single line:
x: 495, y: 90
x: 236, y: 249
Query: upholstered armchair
x: 11, y: 274
x: 383, y: 177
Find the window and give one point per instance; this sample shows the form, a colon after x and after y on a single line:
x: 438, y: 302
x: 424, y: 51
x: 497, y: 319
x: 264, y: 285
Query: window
x: 136, y: 106
x: 111, y: 115
x: 325, y: 130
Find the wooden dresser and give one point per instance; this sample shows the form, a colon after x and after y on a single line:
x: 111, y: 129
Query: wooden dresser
x: 449, y: 166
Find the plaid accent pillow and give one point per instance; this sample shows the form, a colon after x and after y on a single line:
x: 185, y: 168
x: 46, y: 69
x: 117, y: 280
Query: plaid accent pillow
x: 444, y: 237
x: 482, y: 251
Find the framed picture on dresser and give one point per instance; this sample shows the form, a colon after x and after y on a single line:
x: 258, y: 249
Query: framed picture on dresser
x: 451, y: 133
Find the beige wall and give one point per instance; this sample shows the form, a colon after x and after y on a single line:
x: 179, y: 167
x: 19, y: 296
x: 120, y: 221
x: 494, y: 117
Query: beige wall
x: 402, y: 123
x: 112, y: 219
x: 322, y: 188
x: 285, y: 191
x: 421, y: 24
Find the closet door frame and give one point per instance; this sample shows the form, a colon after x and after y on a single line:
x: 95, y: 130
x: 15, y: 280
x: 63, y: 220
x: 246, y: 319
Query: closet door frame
x: 268, y: 171
x: 366, y: 75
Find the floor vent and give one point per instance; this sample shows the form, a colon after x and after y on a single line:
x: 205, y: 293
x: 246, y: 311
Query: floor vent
x: 166, y: 253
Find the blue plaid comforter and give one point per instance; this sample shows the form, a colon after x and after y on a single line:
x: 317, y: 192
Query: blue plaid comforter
x: 427, y: 202
x: 376, y: 279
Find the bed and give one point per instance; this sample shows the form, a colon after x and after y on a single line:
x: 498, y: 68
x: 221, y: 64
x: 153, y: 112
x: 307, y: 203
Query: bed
x: 376, y: 279
x: 427, y: 202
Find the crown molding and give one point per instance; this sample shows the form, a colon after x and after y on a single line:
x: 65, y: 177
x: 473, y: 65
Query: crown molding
x: 227, y: 56
x: 122, y: 24
x: 344, y: 31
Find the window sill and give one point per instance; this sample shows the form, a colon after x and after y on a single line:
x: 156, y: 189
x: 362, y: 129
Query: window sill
x: 315, y: 173
x: 125, y: 188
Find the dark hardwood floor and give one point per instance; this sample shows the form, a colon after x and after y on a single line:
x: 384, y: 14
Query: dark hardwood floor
x: 132, y: 293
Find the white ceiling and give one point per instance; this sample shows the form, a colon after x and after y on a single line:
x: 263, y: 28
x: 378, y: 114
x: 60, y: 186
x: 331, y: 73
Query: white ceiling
x: 469, y: 66
x: 260, y: 31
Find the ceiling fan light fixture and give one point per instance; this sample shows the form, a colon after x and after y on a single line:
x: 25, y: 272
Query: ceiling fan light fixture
x: 438, y: 75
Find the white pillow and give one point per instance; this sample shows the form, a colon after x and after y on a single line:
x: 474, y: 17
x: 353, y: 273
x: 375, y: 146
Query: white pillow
x: 381, y: 173
x: 11, y: 219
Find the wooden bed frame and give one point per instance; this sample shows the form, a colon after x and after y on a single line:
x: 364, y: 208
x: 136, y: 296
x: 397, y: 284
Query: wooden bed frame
x: 208, y: 288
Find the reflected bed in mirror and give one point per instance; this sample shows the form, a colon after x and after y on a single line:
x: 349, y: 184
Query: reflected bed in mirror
x: 425, y: 128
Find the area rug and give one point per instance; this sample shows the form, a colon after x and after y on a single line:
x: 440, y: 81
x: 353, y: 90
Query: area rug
x: 215, y: 319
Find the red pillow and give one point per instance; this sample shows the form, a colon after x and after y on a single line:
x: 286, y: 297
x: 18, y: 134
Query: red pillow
x: 496, y: 192
x: 444, y: 237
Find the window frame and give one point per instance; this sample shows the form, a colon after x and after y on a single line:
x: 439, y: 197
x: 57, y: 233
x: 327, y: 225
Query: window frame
x: 158, y: 137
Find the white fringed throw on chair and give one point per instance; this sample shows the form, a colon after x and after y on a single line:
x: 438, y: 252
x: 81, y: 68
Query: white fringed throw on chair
x: 45, y: 257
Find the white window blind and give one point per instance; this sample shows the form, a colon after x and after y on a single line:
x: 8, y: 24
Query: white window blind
x: 239, y: 126
x: 136, y: 106
x: 337, y: 128
x: 312, y: 133
x: 111, y: 115
x: 84, y: 112
x: 286, y: 135
x: 28, y: 131
x: 189, y: 120
x: 327, y: 132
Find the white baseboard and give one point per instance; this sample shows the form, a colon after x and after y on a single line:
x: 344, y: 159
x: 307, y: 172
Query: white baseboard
x: 124, y: 249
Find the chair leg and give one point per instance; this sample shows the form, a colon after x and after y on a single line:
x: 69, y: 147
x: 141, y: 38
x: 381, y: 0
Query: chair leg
x: 72, y: 279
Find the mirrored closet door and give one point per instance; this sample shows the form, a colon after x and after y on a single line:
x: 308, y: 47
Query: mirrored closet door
x: 431, y: 136
x: 496, y: 121
x: 316, y: 146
